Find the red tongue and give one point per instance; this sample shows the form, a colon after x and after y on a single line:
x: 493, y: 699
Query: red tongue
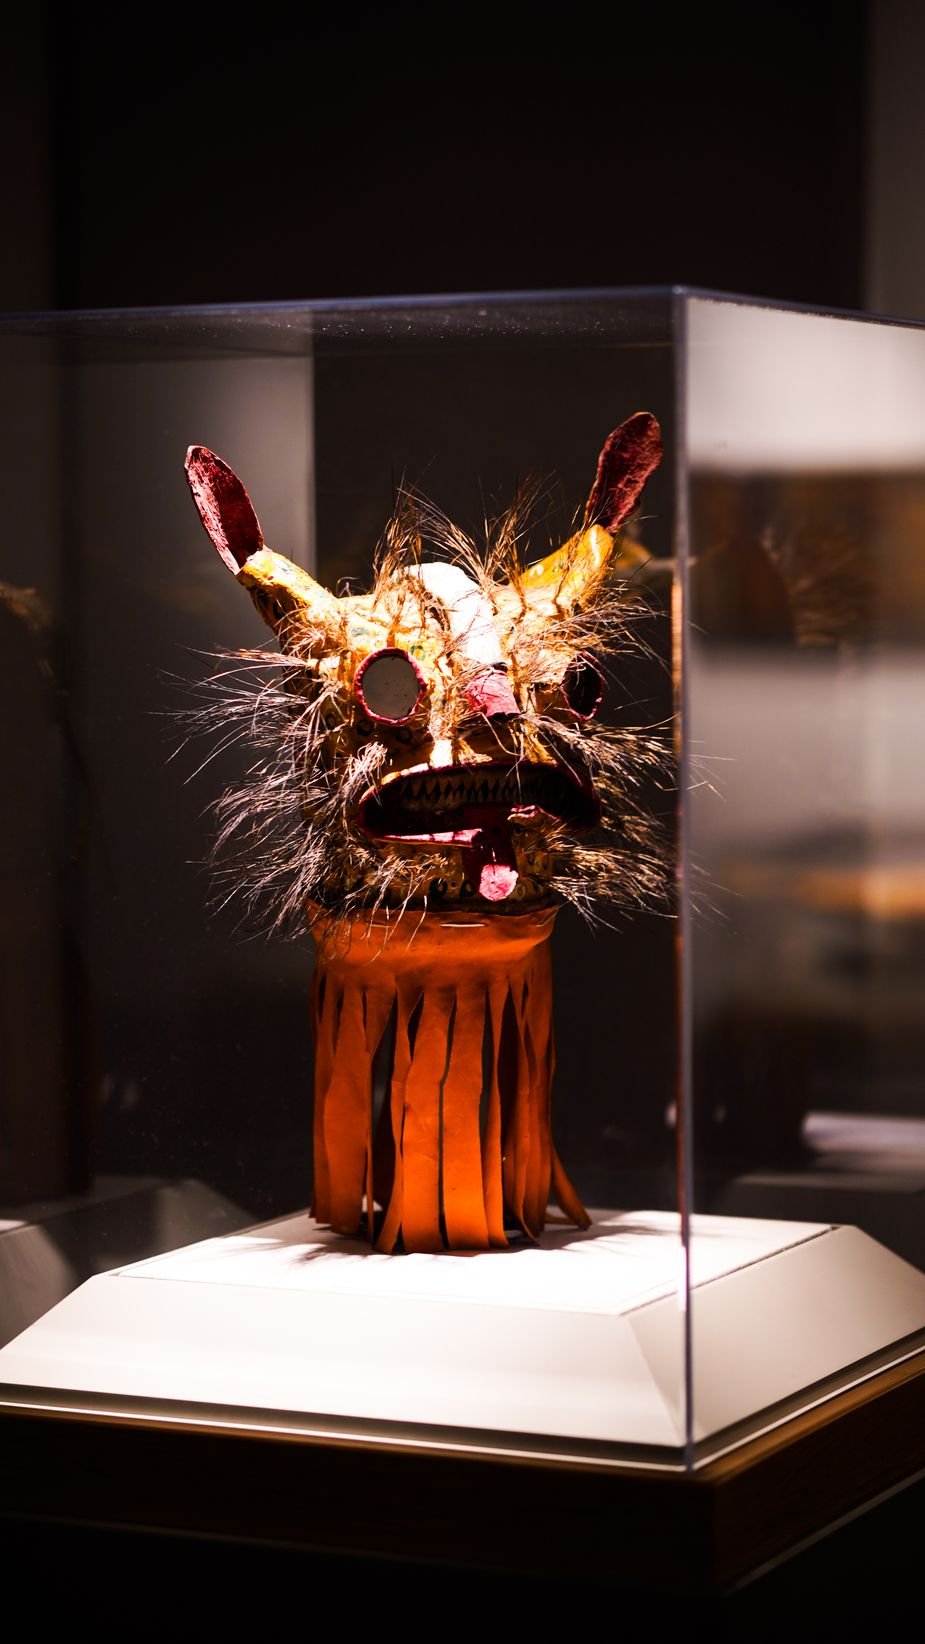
x: 490, y: 858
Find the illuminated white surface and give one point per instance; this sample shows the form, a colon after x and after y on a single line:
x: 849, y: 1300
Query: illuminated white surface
x: 582, y: 1337
x: 623, y: 1262
x: 771, y: 388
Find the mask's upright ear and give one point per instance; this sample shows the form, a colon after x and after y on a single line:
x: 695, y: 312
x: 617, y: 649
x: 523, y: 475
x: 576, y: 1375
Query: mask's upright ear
x: 571, y: 576
x: 224, y: 507
x: 631, y: 453
x: 288, y: 599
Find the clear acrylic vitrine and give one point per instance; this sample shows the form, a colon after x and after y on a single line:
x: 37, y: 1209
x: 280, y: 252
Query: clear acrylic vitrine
x: 738, y: 1090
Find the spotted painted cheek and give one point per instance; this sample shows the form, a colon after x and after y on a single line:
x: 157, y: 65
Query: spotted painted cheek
x: 334, y: 717
x: 545, y: 697
x: 337, y: 739
x: 409, y: 735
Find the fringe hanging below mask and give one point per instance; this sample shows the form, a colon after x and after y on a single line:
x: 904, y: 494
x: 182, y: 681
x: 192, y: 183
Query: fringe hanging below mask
x: 434, y: 1061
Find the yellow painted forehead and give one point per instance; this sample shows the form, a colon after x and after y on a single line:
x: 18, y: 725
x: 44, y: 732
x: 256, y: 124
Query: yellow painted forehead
x: 425, y: 644
x: 372, y: 623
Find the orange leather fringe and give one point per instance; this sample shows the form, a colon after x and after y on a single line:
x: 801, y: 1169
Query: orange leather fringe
x: 434, y: 1063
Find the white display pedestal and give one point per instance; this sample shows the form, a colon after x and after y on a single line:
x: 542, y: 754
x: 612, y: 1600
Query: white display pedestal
x: 48, y: 1248
x: 580, y: 1338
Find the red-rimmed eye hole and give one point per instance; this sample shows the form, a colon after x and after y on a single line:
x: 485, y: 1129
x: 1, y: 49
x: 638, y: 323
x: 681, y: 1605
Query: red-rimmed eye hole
x: 389, y: 686
x: 583, y: 686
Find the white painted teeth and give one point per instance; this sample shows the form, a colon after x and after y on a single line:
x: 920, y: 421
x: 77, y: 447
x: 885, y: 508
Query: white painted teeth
x: 479, y: 787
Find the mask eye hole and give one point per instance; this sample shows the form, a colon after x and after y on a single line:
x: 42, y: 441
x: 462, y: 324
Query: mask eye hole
x: 389, y: 686
x: 583, y: 686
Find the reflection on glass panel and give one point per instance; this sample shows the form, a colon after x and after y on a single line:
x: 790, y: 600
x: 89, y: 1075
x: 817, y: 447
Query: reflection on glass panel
x: 807, y: 684
x: 128, y: 1121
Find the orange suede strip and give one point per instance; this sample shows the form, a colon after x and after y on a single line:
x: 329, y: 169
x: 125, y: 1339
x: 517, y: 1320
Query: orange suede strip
x: 566, y: 1197
x: 534, y: 1194
x: 408, y: 999
x: 507, y: 1073
x: 326, y: 998
x: 520, y: 1129
x: 346, y: 1115
x: 378, y: 1004
x: 539, y: 1027
x: 463, y: 1198
x: 421, y: 1137
x: 440, y: 1183
x: 492, y: 1186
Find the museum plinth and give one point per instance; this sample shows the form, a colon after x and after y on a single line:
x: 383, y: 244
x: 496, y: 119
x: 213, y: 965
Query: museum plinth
x: 415, y: 1404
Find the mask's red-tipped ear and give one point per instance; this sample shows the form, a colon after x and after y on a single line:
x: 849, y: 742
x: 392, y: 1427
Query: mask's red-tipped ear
x: 632, y: 452
x: 224, y: 507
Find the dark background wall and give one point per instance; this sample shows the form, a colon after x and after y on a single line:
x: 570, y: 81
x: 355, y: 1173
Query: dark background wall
x: 173, y: 154
x: 182, y: 155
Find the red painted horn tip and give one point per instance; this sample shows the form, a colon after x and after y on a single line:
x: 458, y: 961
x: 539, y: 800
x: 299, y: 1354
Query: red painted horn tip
x: 199, y: 456
x: 641, y: 425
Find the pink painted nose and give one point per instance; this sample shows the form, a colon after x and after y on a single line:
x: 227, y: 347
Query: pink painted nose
x: 490, y: 694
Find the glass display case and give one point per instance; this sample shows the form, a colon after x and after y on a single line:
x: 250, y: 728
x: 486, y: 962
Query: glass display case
x: 738, y: 1091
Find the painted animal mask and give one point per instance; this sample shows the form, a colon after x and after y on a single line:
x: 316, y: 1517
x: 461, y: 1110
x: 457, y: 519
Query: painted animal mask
x: 433, y: 743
